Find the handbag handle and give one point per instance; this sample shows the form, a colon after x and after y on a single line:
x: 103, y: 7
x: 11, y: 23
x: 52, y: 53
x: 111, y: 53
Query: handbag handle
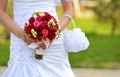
x: 71, y: 19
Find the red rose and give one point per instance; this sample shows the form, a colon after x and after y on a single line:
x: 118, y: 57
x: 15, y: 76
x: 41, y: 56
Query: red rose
x: 28, y: 29
x: 39, y: 35
x: 43, y: 25
x: 46, y: 17
x: 52, y: 29
x: 39, y: 38
x: 33, y: 26
x: 31, y: 20
x: 38, y: 18
x: 51, y: 36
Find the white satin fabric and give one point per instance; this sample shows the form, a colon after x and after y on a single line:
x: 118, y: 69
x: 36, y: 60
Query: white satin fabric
x: 22, y: 62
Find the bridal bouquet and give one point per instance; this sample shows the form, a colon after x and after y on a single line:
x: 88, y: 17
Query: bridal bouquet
x: 41, y: 26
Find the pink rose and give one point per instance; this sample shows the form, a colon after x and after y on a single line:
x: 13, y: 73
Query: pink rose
x: 45, y: 32
x: 36, y: 23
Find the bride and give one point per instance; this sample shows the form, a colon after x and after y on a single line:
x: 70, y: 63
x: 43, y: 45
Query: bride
x: 22, y: 62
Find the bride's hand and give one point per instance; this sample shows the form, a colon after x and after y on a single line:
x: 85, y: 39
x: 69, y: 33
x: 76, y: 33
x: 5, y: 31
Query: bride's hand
x: 42, y: 45
x: 29, y: 40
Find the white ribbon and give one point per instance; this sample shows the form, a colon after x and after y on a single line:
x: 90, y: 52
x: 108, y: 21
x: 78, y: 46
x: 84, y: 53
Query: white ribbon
x: 35, y: 45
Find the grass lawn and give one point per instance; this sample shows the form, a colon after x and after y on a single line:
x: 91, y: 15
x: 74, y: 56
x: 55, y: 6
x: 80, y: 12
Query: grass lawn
x: 4, y: 52
x: 103, y: 52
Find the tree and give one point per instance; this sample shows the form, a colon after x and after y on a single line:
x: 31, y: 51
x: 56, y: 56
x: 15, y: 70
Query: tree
x: 108, y: 10
x: 77, y: 8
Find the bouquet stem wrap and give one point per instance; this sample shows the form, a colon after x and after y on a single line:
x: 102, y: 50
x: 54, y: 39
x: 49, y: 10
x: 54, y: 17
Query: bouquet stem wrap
x: 39, y: 52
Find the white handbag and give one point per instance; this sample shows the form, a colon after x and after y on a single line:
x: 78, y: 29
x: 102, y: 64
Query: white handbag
x: 74, y: 40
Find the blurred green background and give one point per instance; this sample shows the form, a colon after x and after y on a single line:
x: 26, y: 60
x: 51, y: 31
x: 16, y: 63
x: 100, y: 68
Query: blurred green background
x: 99, y: 19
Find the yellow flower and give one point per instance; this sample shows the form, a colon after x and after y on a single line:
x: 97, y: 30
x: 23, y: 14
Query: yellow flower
x: 41, y: 13
x: 51, y: 22
x: 34, y: 33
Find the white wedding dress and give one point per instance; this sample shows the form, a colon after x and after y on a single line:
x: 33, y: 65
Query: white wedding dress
x: 22, y: 62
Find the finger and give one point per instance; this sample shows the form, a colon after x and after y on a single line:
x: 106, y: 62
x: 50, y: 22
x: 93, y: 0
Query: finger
x: 43, y: 48
x: 29, y: 41
x: 41, y: 44
x: 38, y: 48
